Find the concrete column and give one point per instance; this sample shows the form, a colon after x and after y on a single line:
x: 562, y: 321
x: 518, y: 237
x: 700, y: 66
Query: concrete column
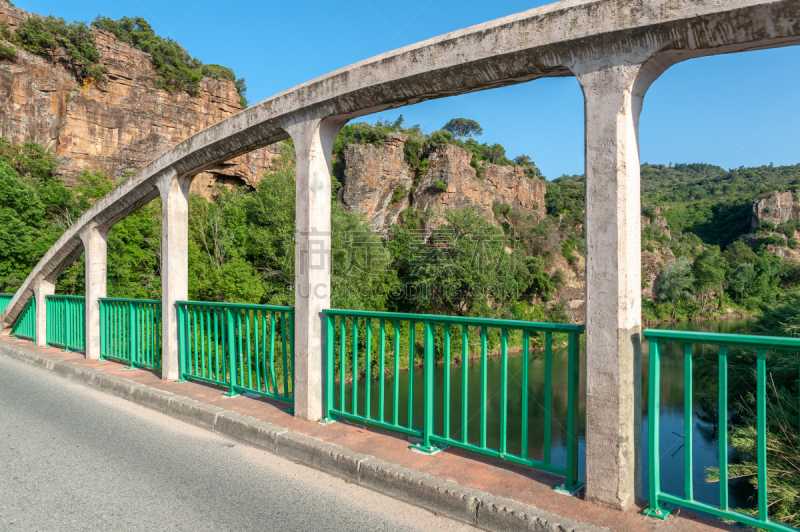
x: 42, y: 287
x: 174, y: 265
x: 95, y: 245
x: 613, y: 102
x: 313, y: 141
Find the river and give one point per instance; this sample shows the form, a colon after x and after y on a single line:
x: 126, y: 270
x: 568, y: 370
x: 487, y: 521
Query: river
x: 705, y: 433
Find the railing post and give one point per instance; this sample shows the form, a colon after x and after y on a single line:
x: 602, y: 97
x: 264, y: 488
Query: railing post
x: 329, y: 365
x: 428, y: 395
x: 573, y: 404
x: 653, y: 431
x: 232, y: 354
x: 313, y: 142
x: 131, y: 332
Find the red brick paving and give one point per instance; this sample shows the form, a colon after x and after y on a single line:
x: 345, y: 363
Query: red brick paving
x: 514, y: 482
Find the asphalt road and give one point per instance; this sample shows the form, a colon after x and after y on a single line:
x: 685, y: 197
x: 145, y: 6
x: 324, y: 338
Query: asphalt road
x: 72, y: 458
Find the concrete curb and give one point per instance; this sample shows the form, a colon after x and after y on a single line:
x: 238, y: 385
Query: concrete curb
x: 452, y: 500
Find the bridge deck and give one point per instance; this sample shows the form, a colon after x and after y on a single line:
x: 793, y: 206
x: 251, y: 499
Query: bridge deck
x: 522, y: 484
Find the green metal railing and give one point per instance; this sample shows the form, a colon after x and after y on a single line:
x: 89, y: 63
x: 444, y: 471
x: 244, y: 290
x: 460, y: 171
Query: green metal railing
x: 130, y: 331
x: 659, y: 501
x: 247, y: 348
x: 378, y: 334
x: 25, y: 326
x: 66, y: 322
x: 5, y: 299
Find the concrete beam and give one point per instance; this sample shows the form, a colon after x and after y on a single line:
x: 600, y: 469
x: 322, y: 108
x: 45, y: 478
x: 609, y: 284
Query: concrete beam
x: 95, y: 245
x: 174, y: 192
x: 313, y: 142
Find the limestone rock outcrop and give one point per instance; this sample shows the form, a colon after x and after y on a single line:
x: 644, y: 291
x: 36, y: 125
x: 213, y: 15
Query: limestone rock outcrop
x: 377, y: 181
x: 118, y: 126
x: 450, y: 167
x: 777, y: 208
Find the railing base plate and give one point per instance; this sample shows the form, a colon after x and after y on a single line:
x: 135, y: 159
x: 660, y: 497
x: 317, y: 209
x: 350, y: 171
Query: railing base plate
x: 231, y: 394
x: 327, y: 421
x: 572, y: 490
x: 433, y: 449
x: 181, y: 380
x: 662, y: 512
x: 129, y: 368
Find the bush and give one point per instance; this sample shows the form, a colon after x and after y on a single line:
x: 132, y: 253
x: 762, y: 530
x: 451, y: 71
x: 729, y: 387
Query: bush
x: 501, y: 209
x: 399, y: 193
x: 793, y: 243
x: 439, y: 186
x: 177, y: 70
x: 46, y: 36
x: 7, y: 53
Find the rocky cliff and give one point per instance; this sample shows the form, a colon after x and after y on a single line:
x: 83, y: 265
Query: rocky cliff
x: 451, y: 182
x: 777, y: 208
x: 377, y: 181
x: 118, y: 126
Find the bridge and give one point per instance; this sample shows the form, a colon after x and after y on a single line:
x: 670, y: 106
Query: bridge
x: 615, y: 48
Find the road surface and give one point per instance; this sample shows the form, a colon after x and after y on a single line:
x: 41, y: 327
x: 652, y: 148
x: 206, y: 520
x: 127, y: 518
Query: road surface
x: 73, y: 458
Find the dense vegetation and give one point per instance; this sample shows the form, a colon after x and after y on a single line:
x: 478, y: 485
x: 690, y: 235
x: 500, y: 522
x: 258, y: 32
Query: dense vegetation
x: 420, y: 145
x: 177, y: 70
x: 55, y: 38
x: 75, y: 43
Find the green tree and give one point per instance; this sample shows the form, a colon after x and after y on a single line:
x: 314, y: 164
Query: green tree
x: 710, y: 272
x: 21, y: 223
x: 46, y: 36
x: 675, y: 283
x: 464, y: 128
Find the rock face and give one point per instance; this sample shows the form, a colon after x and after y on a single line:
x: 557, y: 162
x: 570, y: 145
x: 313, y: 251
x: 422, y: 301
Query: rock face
x: 450, y: 166
x: 118, y: 126
x: 377, y: 181
x: 778, y: 208
x: 653, y: 262
x: 660, y: 222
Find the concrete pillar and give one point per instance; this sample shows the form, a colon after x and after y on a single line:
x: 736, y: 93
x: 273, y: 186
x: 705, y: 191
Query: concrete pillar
x: 613, y: 101
x: 42, y: 287
x: 174, y: 192
x: 313, y: 141
x: 95, y: 245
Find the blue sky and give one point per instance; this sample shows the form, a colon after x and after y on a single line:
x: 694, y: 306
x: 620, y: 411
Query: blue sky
x: 735, y: 110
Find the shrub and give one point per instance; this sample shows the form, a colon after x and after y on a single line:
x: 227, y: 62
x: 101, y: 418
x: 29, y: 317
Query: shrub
x: 439, y: 186
x: 793, y: 243
x: 399, y: 193
x: 501, y: 209
x: 7, y: 53
x: 46, y: 36
x: 177, y: 70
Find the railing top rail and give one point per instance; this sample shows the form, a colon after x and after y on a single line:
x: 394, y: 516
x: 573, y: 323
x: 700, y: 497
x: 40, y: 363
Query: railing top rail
x: 6, y: 295
x: 728, y: 340
x: 236, y: 305
x: 122, y: 299
x: 63, y: 296
x: 459, y: 320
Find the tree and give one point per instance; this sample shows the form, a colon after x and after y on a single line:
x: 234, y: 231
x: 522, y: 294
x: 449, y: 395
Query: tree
x: 463, y: 128
x: 710, y: 270
x: 675, y: 283
x: 742, y: 279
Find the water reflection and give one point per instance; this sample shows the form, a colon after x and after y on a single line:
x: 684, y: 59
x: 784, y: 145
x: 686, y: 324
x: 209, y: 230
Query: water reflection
x: 704, y: 428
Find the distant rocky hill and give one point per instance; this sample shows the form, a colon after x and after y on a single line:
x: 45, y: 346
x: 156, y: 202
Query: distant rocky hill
x: 118, y: 126
x: 379, y: 183
x: 777, y: 208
